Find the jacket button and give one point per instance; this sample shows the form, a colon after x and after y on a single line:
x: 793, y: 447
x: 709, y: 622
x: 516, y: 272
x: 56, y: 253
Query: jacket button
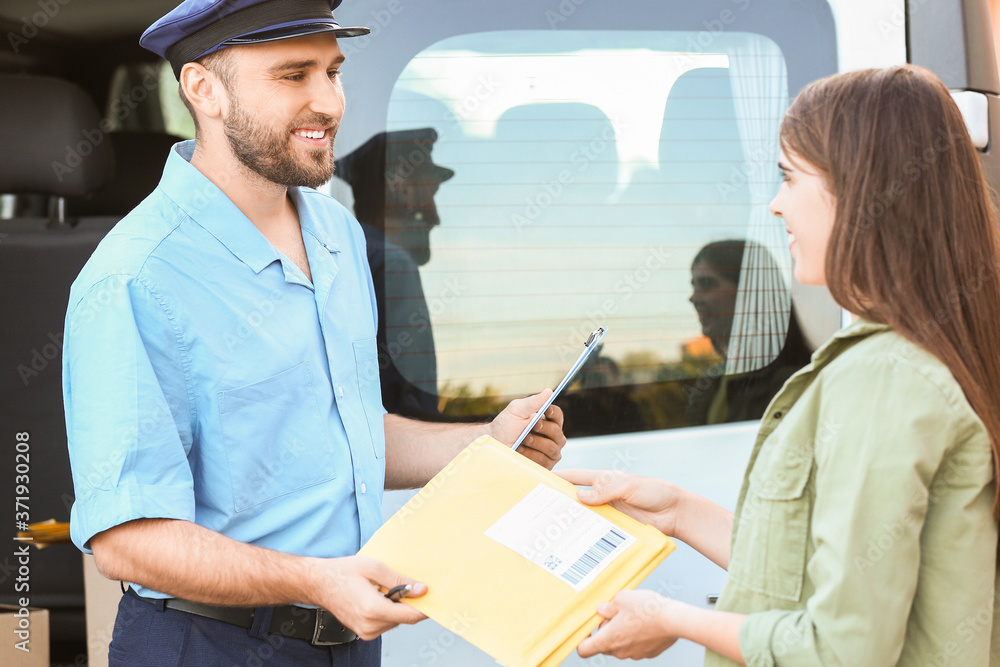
x: 777, y: 415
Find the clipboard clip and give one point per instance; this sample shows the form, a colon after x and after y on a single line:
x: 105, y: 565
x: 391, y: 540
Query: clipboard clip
x: 588, y: 349
x: 595, y: 335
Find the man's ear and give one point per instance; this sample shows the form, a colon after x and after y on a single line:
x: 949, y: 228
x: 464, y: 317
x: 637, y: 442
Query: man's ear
x: 203, y: 89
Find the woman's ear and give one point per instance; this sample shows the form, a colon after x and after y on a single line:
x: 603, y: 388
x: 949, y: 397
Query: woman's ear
x: 203, y: 90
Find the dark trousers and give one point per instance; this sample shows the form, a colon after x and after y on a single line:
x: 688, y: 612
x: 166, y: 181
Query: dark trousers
x: 150, y: 635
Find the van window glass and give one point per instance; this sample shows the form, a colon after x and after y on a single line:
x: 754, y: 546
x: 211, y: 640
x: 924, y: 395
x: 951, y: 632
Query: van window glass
x: 176, y: 119
x: 537, y: 185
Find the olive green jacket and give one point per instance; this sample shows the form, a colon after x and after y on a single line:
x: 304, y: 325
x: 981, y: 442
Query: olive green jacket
x: 864, y: 532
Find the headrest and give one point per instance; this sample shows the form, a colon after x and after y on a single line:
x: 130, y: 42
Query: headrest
x: 139, y: 159
x: 51, y: 138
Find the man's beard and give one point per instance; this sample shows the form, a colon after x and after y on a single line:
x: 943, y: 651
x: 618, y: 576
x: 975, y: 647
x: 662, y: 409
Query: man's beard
x: 267, y: 153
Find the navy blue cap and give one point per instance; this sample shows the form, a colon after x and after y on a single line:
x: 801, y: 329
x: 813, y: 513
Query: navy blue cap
x: 196, y: 28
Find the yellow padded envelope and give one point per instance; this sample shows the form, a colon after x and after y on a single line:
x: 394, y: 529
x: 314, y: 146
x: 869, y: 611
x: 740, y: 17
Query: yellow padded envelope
x: 521, y: 612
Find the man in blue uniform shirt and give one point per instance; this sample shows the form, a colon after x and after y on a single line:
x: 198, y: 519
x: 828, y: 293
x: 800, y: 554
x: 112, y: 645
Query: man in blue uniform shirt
x: 227, y: 437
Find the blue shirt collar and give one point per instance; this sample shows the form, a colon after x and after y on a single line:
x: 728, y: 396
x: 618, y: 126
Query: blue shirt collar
x: 209, y: 206
x: 309, y: 217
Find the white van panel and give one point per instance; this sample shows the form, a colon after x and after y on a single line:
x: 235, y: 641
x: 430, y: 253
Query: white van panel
x: 870, y: 34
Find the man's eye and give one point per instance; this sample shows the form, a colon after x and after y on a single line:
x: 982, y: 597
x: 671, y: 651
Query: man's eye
x: 293, y: 77
x: 334, y: 74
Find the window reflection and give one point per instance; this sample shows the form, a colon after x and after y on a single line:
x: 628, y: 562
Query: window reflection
x: 394, y: 180
x: 590, y: 177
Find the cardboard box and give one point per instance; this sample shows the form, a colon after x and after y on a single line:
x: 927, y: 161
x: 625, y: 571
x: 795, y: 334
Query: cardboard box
x: 35, y: 638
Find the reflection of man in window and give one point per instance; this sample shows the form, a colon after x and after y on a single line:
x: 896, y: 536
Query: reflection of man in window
x: 717, y: 398
x: 394, y: 181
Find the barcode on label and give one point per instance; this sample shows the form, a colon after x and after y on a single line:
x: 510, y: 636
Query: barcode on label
x: 594, y: 556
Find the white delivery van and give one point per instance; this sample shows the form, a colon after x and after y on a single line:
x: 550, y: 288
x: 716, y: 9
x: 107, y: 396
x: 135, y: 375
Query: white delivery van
x: 526, y: 171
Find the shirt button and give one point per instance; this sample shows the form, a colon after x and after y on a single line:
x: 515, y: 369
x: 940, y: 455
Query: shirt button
x: 340, y: 390
x: 364, y: 488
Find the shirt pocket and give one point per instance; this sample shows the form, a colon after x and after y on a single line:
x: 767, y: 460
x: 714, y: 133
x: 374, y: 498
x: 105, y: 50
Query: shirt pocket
x: 275, y: 436
x: 370, y: 389
x: 769, y: 552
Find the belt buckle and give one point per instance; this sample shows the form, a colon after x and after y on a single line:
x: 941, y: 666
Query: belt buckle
x: 318, y: 630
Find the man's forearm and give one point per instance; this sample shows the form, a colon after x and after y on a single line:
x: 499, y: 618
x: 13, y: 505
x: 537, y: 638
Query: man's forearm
x: 185, y: 560
x: 416, y: 451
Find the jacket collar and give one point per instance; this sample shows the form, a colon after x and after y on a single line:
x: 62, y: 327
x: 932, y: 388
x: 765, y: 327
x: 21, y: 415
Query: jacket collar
x: 847, y: 337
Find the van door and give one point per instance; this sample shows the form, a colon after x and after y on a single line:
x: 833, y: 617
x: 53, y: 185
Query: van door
x: 530, y: 171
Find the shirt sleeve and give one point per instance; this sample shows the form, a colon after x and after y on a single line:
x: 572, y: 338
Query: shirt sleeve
x: 127, y: 410
x: 881, y: 436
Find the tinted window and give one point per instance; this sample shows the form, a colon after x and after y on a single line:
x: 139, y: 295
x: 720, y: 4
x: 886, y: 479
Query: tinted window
x: 531, y: 185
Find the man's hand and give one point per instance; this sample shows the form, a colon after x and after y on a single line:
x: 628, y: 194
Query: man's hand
x: 349, y: 589
x: 545, y: 442
x: 640, y: 624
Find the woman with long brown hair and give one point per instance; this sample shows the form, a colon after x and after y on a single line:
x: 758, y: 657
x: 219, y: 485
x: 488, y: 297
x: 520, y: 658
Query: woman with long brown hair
x: 866, y: 529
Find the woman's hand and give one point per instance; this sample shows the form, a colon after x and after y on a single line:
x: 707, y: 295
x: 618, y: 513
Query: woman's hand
x: 675, y: 512
x: 647, y: 500
x: 643, y: 624
x: 640, y: 624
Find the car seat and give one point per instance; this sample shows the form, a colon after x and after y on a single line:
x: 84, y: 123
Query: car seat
x: 52, y: 146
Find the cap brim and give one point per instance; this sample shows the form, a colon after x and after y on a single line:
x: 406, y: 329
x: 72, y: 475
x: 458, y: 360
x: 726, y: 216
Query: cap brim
x: 300, y: 30
x: 442, y: 174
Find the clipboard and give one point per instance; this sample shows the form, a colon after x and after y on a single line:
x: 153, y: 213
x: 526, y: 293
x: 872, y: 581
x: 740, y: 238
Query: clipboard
x: 588, y: 347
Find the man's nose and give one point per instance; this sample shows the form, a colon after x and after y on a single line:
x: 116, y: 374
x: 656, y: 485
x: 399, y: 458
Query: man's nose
x: 327, y: 97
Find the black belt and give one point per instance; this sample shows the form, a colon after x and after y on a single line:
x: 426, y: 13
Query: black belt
x: 317, y: 626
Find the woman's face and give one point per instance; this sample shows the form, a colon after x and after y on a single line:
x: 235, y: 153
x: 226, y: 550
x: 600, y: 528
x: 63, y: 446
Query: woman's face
x: 714, y: 297
x: 808, y: 209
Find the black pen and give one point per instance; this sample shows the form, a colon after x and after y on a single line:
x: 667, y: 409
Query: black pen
x: 397, y: 593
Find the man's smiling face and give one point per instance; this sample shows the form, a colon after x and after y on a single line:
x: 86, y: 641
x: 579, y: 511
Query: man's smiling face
x: 284, y: 106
